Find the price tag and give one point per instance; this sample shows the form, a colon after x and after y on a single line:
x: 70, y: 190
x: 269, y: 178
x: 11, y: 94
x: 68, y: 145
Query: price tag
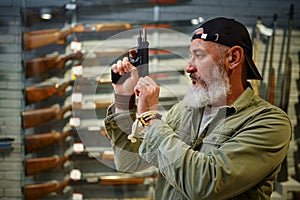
x: 77, y: 70
x: 78, y: 147
x: 75, y: 174
x: 75, y: 46
x: 92, y: 179
x: 77, y: 196
x: 71, y: 6
x: 74, y: 121
x: 94, y: 128
x: 77, y: 97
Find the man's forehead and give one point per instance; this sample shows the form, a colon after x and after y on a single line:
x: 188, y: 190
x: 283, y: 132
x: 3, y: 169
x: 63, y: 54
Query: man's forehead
x: 196, y: 45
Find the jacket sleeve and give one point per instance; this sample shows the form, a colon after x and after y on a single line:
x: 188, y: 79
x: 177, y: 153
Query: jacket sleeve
x: 118, y: 126
x: 240, y: 163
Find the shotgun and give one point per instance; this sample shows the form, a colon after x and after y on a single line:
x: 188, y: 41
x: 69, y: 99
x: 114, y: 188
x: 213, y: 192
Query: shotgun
x: 261, y: 34
x: 263, y: 86
x: 36, y: 165
x: 6, y: 139
x: 42, y: 65
x: 297, y: 161
x: 34, y: 142
x: 36, y: 117
x: 285, y: 91
x: 271, y: 79
x: 256, y: 39
x: 37, y: 191
x: 35, y: 93
x: 40, y: 38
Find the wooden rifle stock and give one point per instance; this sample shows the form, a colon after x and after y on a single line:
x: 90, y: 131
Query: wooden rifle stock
x: 112, y: 27
x: 35, y: 94
x: 271, y: 80
x: 40, y: 38
x: 37, y: 191
x: 271, y: 85
x: 36, y: 117
x: 36, y: 165
x: 35, y: 142
x: 39, y: 66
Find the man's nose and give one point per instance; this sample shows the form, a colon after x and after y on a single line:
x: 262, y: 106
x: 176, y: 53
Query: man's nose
x: 190, y: 68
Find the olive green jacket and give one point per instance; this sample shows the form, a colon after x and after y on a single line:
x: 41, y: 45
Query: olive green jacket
x: 238, y: 159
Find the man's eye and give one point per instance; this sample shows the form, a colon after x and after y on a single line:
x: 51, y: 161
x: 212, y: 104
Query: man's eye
x: 199, y: 55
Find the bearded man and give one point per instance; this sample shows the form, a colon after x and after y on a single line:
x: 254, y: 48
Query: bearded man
x: 221, y: 141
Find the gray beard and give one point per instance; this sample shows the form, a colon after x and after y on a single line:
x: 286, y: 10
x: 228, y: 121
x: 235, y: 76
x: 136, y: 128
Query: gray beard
x: 217, y: 88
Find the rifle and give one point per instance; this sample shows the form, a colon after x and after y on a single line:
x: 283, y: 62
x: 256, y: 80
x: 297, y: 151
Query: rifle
x: 139, y: 60
x: 263, y: 86
x: 6, y: 139
x: 37, y: 191
x: 40, y: 66
x: 256, y: 44
x: 285, y: 95
x: 36, y: 165
x: 35, y: 94
x: 40, y: 38
x: 36, y: 117
x: 34, y: 142
x: 271, y: 80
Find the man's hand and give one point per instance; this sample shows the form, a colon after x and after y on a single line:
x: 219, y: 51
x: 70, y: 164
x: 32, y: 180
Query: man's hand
x: 122, y: 67
x: 148, y: 92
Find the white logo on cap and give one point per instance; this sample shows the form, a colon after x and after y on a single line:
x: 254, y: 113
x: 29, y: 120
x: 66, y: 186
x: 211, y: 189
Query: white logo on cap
x: 203, y: 36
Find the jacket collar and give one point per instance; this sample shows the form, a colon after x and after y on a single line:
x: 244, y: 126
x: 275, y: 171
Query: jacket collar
x: 243, y: 100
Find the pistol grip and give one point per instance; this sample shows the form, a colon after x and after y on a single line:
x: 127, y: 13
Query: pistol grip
x: 116, y: 78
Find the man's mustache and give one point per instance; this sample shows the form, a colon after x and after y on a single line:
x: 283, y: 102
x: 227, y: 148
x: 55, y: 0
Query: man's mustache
x: 197, y: 78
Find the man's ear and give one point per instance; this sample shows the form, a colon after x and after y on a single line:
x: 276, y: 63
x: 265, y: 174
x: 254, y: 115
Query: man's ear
x: 235, y: 56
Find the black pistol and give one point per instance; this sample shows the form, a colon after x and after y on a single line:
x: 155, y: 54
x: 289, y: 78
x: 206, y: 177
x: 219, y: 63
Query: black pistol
x: 140, y: 60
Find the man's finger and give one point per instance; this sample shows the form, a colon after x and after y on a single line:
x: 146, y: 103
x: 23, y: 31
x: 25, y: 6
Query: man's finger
x: 126, y: 64
x: 134, y: 73
x: 114, y: 68
x: 120, y: 67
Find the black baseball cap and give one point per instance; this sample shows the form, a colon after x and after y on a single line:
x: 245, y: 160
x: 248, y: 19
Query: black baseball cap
x: 230, y: 32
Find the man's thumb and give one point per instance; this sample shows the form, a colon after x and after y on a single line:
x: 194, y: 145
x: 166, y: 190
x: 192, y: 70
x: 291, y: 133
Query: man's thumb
x: 134, y: 73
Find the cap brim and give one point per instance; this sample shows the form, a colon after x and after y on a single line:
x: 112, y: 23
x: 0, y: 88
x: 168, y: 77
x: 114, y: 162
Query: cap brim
x: 252, y: 72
